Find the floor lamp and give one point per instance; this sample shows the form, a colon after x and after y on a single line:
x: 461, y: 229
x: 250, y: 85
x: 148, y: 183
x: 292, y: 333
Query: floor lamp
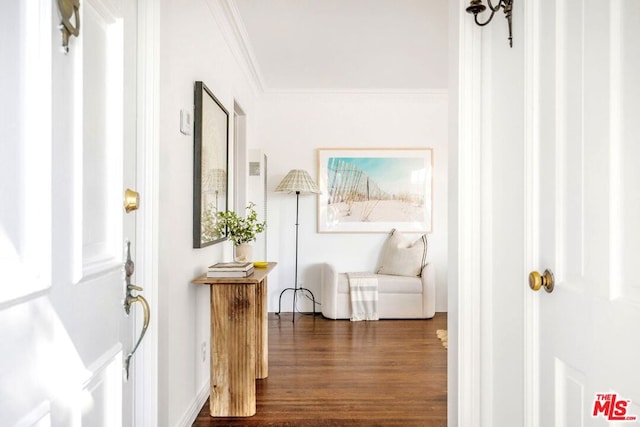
x: 297, y: 181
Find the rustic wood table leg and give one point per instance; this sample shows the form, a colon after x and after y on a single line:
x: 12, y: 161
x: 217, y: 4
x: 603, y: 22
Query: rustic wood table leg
x: 262, y: 331
x: 233, y: 350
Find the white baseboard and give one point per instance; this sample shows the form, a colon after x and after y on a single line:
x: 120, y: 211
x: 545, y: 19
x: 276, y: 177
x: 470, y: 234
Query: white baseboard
x: 193, y: 410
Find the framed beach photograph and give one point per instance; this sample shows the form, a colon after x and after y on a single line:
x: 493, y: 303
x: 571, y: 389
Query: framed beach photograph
x: 210, y: 165
x: 375, y: 190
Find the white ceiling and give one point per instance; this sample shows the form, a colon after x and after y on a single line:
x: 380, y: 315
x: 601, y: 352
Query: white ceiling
x: 352, y: 45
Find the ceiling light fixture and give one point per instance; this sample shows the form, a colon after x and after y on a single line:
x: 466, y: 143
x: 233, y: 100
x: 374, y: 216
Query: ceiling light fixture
x: 476, y: 6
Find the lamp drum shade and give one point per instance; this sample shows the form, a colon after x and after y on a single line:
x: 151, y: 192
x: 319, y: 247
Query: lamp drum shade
x: 299, y: 181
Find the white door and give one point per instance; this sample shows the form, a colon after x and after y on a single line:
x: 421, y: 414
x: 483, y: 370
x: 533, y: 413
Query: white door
x: 68, y: 153
x: 586, y: 220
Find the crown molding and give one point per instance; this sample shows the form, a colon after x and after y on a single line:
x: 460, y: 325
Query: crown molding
x: 229, y: 19
x: 232, y: 27
x: 338, y: 91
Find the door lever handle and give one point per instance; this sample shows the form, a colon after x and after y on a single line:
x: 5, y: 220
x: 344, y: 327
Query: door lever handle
x: 132, y: 287
x: 129, y: 301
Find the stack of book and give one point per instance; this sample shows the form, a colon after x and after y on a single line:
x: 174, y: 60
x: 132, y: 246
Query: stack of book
x: 230, y: 269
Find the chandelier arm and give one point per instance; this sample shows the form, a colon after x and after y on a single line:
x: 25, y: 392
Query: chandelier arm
x: 493, y: 12
x: 509, y: 24
x: 497, y: 8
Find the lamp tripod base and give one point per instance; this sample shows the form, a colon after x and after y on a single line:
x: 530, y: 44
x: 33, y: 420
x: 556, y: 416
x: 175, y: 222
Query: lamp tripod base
x: 295, y: 295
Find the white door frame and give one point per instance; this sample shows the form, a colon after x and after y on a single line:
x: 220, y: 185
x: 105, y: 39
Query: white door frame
x: 146, y: 366
x: 474, y: 139
x: 469, y: 225
x: 531, y: 218
x: 467, y: 400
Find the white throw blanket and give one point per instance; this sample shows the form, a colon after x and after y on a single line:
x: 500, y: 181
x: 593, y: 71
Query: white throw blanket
x: 363, y: 288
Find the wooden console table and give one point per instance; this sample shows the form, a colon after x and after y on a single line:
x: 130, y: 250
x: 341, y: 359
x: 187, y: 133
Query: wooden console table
x: 239, y: 341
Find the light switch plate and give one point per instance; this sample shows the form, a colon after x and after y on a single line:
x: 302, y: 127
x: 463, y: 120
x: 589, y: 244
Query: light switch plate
x: 186, y: 122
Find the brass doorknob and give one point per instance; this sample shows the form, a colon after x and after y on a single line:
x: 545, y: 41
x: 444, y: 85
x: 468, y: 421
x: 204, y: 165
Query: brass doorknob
x: 537, y: 281
x: 131, y: 200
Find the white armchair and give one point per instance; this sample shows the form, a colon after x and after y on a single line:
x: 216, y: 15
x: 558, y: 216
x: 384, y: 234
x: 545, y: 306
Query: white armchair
x: 399, y: 297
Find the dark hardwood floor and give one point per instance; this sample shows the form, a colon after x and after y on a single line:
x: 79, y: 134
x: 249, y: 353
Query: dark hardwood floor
x: 339, y: 373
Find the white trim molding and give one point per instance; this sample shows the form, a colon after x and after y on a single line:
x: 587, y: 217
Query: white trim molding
x: 469, y: 224
x: 235, y: 34
x: 531, y: 217
x: 191, y: 414
x: 337, y: 91
x: 146, y: 362
x: 232, y: 27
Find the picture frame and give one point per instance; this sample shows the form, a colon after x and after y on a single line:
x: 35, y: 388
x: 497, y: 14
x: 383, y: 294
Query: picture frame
x: 373, y: 190
x: 210, y: 165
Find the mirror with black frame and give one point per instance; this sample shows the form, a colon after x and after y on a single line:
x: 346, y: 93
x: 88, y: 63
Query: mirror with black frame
x: 210, y: 166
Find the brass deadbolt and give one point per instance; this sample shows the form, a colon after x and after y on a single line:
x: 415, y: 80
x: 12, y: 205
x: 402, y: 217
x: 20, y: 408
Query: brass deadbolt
x: 131, y: 200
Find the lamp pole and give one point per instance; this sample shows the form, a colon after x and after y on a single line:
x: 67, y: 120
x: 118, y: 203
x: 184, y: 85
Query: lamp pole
x: 295, y: 284
x: 295, y: 288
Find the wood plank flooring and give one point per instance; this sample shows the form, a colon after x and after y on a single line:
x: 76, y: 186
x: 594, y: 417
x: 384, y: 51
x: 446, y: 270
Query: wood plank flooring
x: 338, y: 373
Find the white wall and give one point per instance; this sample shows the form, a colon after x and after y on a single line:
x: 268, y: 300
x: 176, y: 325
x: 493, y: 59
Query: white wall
x: 291, y: 127
x: 192, y: 47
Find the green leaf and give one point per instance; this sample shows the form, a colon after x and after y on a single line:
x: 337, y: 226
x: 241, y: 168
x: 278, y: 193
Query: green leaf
x: 240, y: 229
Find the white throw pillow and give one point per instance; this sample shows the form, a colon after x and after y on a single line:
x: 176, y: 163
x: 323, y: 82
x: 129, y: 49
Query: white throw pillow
x: 400, y: 257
